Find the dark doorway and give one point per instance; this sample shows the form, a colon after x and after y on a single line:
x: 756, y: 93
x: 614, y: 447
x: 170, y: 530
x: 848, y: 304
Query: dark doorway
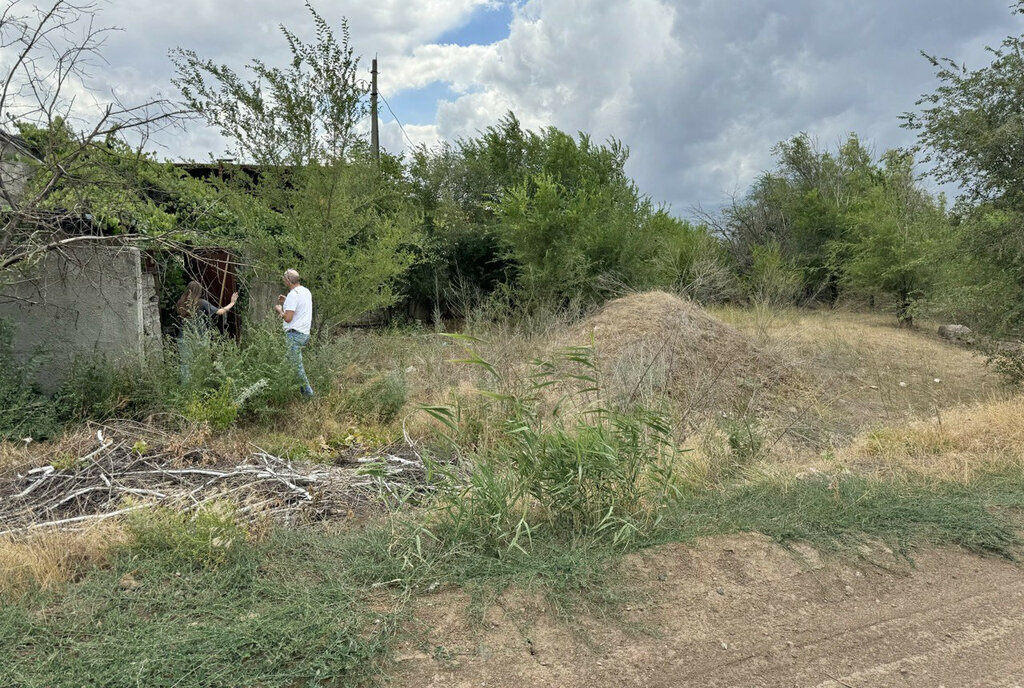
x: 217, y: 270
x: 214, y: 268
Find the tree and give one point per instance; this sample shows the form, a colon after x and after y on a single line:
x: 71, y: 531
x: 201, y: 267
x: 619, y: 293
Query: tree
x: 971, y: 131
x: 317, y: 201
x: 800, y: 207
x: 897, y: 240
x: 62, y: 154
x: 576, y: 227
x: 972, y: 126
x: 542, y: 217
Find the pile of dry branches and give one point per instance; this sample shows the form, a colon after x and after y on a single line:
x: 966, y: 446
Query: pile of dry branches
x: 119, y: 475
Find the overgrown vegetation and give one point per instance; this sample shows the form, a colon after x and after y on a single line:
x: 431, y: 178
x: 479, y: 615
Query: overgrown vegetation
x: 541, y: 468
x: 201, y: 378
x: 203, y: 599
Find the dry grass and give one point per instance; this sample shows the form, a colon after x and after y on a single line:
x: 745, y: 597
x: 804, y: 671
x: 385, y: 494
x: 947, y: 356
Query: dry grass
x: 861, y: 371
x: 52, y: 558
x: 654, y: 346
x: 956, y: 445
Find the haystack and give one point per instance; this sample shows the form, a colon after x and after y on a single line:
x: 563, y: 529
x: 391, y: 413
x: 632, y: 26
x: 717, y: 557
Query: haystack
x: 655, y: 343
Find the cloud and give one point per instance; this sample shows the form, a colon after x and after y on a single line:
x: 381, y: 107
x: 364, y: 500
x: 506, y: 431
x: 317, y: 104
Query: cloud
x: 699, y: 90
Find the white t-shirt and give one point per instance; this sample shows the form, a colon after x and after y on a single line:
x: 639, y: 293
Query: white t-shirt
x: 301, y: 301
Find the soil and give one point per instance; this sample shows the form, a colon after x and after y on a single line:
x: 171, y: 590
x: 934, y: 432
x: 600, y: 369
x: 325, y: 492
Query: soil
x: 743, y: 611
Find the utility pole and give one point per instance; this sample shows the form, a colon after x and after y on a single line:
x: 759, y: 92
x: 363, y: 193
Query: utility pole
x: 374, y: 133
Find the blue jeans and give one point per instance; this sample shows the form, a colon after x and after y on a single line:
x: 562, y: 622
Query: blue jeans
x: 297, y: 340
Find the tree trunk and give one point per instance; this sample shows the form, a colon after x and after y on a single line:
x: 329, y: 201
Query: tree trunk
x: 903, y: 314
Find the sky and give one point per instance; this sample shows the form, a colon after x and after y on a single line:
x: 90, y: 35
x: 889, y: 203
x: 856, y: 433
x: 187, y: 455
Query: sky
x: 699, y: 90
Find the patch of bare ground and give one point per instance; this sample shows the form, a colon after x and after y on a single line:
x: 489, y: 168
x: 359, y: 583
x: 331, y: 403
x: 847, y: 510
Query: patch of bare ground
x: 743, y: 611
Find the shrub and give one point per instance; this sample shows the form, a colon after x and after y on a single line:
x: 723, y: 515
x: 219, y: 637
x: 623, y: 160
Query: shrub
x: 222, y: 380
x: 1008, y: 361
x: 181, y: 541
x: 380, y: 399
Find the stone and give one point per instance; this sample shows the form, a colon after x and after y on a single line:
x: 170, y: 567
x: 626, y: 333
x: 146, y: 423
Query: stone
x: 960, y: 334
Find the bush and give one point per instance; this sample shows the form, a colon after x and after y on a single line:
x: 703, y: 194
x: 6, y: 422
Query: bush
x: 380, y: 399
x: 254, y: 376
x: 205, y: 539
x: 591, y: 472
x: 1008, y: 361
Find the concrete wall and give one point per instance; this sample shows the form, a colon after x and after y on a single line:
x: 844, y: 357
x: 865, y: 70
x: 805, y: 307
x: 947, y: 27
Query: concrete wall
x: 14, y: 173
x: 263, y: 292
x: 90, y: 300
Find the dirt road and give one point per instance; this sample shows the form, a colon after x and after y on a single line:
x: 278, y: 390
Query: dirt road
x: 745, y: 612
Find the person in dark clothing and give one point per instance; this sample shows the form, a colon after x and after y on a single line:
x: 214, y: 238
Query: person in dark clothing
x: 192, y: 303
x: 196, y: 314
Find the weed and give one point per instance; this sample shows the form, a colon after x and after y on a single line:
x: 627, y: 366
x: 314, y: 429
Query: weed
x: 745, y: 439
x: 379, y: 400
x: 208, y: 538
x: 216, y: 408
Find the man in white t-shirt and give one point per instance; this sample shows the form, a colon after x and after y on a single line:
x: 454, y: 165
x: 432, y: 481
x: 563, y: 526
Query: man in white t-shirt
x: 296, y: 310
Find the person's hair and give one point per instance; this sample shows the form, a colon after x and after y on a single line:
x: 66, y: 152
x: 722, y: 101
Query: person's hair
x: 189, y: 301
x: 292, y: 277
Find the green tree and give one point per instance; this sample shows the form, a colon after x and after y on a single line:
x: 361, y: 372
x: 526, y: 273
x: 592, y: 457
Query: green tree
x: 971, y: 129
x: 315, y: 199
x: 898, y: 237
x: 802, y: 207
x: 972, y: 125
x: 541, y: 216
x: 578, y: 228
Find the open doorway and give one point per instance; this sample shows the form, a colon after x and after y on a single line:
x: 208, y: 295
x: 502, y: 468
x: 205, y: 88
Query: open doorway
x: 216, y: 269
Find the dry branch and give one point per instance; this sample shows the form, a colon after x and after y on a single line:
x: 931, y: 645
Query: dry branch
x: 113, y: 479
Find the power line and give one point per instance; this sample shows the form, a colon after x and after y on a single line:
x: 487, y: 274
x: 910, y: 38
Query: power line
x: 388, y: 105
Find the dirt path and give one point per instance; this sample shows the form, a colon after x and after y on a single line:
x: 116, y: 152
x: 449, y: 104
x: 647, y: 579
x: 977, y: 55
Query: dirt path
x: 744, y: 612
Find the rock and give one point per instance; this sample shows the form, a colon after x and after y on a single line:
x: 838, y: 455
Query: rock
x: 960, y: 334
x: 129, y: 582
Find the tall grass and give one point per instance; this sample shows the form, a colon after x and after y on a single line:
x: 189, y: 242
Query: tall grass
x: 561, y: 467
x: 203, y: 378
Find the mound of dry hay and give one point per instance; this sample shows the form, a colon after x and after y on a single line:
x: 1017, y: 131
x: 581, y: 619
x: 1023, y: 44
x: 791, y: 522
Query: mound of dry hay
x: 656, y: 343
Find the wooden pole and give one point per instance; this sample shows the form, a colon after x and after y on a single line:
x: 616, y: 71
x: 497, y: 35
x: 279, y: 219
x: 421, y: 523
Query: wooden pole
x: 374, y: 133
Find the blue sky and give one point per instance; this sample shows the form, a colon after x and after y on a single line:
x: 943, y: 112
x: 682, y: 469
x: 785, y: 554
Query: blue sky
x: 699, y: 90
x: 485, y: 25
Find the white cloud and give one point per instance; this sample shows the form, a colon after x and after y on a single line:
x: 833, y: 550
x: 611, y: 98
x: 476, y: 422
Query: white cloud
x: 698, y: 89
x: 701, y: 90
